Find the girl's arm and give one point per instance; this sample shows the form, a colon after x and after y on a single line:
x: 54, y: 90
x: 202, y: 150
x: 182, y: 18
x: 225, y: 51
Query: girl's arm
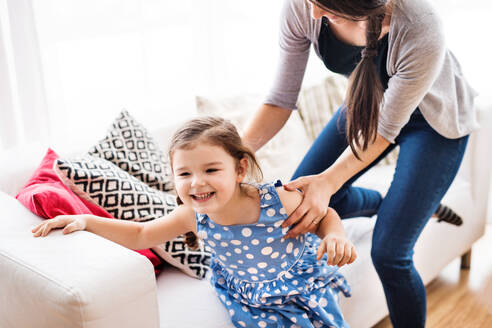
x: 132, y: 235
x: 334, y: 242
x: 330, y: 224
x: 339, y: 250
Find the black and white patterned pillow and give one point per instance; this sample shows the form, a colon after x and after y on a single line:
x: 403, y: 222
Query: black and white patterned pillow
x: 195, y: 263
x: 127, y: 198
x: 130, y: 146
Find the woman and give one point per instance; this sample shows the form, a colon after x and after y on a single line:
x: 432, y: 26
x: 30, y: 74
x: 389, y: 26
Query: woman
x: 406, y: 89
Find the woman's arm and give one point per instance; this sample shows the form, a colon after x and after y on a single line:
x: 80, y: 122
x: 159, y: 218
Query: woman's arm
x: 268, y: 120
x: 295, y: 29
x: 318, y: 189
x: 347, y: 165
x: 132, y: 235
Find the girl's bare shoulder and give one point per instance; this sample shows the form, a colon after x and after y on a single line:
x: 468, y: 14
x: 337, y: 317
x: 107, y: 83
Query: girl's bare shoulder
x: 290, y: 199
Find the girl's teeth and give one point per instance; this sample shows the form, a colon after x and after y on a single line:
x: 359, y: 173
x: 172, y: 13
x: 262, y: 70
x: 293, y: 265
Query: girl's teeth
x: 203, y: 196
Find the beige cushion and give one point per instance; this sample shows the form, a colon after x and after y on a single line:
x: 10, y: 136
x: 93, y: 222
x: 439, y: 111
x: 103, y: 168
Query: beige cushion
x: 318, y: 103
x: 281, y: 155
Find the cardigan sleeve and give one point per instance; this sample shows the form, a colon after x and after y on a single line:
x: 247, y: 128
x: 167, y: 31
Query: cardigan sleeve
x: 294, y: 53
x: 418, y: 54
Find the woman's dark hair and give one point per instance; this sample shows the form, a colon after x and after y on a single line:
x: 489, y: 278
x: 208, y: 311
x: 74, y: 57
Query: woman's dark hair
x: 365, y: 91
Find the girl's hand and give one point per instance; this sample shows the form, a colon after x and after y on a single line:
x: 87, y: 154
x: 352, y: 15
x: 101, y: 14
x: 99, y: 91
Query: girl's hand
x: 314, y: 206
x: 339, y: 250
x: 70, y: 223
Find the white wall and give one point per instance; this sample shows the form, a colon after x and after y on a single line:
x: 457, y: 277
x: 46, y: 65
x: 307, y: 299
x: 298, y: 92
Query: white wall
x: 467, y: 31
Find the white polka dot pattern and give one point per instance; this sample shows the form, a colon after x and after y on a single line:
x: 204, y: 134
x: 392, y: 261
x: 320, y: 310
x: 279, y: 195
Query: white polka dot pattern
x: 246, y: 232
x: 289, y: 247
x: 266, y: 250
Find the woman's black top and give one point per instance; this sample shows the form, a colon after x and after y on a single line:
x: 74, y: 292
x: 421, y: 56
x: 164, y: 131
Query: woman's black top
x: 342, y: 58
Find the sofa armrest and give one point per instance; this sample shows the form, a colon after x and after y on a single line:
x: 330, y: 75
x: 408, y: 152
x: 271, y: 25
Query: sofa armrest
x: 481, y: 156
x: 77, y: 280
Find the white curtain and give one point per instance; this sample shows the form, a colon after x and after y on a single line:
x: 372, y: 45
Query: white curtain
x: 467, y: 32
x: 24, y: 115
x: 73, y: 65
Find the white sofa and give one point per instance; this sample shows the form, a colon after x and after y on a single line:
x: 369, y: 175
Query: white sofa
x: 82, y: 280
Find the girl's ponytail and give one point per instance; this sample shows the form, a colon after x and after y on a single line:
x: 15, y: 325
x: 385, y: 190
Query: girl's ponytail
x: 190, y: 239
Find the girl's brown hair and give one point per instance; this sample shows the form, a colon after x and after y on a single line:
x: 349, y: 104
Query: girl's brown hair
x: 365, y: 91
x: 219, y: 132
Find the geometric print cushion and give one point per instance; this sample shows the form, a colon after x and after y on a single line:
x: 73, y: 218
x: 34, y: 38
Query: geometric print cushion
x: 127, y: 198
x: 119, y: 193
x: 194, y: 262
x: 130, y: 147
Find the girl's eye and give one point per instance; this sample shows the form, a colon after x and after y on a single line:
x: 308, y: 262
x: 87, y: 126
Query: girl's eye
x: 211, y: 170
x: 183, y: 174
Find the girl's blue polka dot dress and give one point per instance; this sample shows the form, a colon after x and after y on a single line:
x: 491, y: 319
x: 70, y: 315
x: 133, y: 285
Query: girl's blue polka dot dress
x: 265, y: 281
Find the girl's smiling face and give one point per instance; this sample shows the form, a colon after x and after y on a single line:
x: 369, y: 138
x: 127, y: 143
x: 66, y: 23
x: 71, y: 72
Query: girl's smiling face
x: 206, y: 177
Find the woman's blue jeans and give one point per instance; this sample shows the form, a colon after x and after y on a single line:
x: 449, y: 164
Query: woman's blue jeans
x: 426, y: 166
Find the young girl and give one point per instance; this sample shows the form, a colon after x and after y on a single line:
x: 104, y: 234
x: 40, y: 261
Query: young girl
x: 262, y: 278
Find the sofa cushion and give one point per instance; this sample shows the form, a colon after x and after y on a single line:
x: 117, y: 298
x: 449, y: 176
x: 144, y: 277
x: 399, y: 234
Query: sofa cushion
x: 47, y: 196
x: 318, y: 102
x: 127, y: 198
x: 129, y: 146
x: 282, y: 154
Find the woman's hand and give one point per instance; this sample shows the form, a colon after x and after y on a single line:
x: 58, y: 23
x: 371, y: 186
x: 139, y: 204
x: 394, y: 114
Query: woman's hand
x: 70, y: 223
x: 339, y: 250
x: 317, y: 192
